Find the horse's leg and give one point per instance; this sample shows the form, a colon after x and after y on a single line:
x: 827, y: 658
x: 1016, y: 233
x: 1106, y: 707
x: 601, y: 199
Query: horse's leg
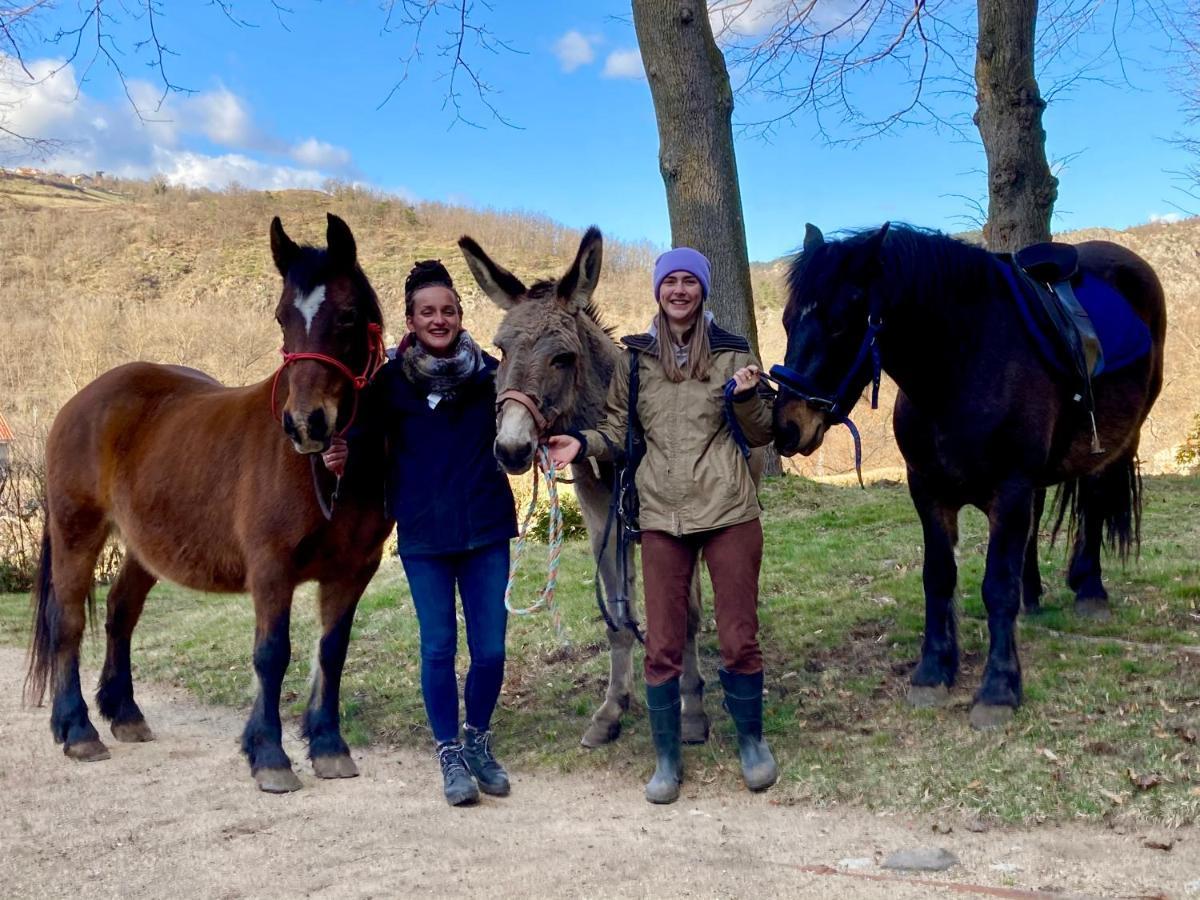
x: 322, y: 720
x: 938, y: 666
x: 1083, y: 573
x: 1031, y: 579
x: 262, y: 739
x: 1010, y: 519
x: 114, y: 697
x: 691, y: 684
x: 76, y: 547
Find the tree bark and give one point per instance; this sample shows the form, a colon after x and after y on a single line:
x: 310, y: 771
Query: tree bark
x: 693, y: 103
x: 1021, y: 190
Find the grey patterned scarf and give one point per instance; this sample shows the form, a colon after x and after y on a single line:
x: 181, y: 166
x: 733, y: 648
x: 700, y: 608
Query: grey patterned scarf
x: 442, y: 374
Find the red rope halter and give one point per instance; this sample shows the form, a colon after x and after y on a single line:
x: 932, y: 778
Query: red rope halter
x: 376, y: 357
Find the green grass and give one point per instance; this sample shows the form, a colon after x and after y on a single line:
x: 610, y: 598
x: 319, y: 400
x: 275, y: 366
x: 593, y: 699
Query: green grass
x: 842, y: 611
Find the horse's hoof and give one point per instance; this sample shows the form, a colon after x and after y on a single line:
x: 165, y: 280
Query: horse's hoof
x: 694, y: 729
x: 132, y: 732
x: 1094, y: 608
x: 985, y: 716
x: 924, y: 697
x: 600, y: 733
x: 87, y: 751
x: 341, y: 766
x: 277, y: 781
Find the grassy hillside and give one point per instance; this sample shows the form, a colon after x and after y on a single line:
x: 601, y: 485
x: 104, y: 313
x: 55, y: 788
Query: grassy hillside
x: 96, y: 275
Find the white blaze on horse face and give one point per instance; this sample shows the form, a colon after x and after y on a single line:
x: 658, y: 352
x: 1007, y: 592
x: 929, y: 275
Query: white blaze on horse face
x: 805, y: 310
x: 308, y: 304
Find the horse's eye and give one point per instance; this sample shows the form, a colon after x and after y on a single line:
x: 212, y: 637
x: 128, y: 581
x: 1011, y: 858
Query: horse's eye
x: 346, y: 319
x: 563, y: 360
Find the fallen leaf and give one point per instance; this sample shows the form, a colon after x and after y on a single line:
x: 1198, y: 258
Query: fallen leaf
x: 1159, y: 843
x: 1144, y: 782
x: 1048, y: 753
x: 1115, y: 798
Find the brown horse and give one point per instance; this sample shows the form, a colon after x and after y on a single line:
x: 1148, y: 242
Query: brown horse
x: 982, y: 417
x: 557, y: 359
x: 206, y: 489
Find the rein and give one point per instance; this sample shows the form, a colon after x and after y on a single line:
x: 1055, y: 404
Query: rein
x: 545, y: 597
x: 837, y: 405
x: 376, y: 358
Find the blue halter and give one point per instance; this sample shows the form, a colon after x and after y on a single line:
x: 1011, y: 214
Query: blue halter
x: 837, y: 405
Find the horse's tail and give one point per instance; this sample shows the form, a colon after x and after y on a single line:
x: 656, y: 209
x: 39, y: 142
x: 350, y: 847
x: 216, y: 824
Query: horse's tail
x: 1115, y: 495
x: 46, y: 612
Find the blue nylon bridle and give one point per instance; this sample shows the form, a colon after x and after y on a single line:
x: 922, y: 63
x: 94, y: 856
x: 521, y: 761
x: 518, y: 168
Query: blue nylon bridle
x: 837, y: 405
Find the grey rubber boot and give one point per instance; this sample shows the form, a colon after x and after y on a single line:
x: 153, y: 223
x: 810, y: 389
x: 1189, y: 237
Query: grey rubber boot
x: 457, y: 783
x: 477, y: 751
x: 662, y: 703
x: 744, y: 703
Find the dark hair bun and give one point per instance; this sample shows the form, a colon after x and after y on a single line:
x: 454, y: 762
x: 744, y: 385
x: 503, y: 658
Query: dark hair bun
x: 426, y: 272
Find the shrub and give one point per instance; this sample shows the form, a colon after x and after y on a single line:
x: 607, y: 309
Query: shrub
x: 1189, y: 451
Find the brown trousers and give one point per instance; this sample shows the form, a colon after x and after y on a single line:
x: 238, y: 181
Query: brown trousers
x: 734, y: 557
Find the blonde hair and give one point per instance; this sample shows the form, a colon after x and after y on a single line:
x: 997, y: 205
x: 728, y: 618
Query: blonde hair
x: 699, y: 355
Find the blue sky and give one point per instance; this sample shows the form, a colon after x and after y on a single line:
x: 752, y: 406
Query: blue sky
x: 293, y: 103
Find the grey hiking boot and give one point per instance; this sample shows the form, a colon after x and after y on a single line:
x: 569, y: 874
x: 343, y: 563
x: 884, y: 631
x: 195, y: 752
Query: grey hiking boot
x: 457, y: 782
x: 744, y: 702
x: 662, y: 703
x: 477, y: 751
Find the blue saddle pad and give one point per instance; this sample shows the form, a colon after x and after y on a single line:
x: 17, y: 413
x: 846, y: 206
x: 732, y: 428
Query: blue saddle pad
x: 1124, y: 337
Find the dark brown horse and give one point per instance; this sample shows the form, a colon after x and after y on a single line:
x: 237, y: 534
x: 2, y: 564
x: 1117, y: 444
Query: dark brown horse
x: 981, y: 418
x: 215, y: 488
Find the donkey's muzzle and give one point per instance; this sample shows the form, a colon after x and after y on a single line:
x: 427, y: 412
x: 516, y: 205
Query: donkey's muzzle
x: 515, y: 459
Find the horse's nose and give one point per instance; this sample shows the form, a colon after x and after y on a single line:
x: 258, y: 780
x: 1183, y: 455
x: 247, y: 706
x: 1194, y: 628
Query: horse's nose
x: 318, y: 426
x: 515, y: 458
x: 787, y: 436
x: 290, y: 429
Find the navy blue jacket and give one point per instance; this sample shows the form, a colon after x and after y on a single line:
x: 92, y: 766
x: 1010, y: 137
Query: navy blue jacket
x: 444, y: 486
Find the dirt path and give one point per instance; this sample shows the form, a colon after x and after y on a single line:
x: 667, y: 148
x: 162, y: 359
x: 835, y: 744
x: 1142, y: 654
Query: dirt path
x: 180, y: 817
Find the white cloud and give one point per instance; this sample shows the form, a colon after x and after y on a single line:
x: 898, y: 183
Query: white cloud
x: 115, y: 139
x: 743, y: 17
x: 574, y: 49
x: 320, y: 154
x: 1166, y: 218
x: 624, y: 64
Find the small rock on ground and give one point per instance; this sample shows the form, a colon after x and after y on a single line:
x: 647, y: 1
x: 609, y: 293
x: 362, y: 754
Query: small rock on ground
x: 922, y: 859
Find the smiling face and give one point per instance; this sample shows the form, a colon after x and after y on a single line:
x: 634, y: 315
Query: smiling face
x: 435, y: 319
x: 680, y: 296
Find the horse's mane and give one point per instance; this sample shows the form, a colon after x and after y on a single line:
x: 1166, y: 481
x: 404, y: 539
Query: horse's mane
x: 916, y: 262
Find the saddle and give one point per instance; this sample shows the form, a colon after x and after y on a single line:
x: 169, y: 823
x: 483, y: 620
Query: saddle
x: 1052, y: 267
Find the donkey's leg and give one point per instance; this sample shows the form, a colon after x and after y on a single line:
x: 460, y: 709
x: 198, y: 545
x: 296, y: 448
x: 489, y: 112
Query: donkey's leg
x: 691, y: 684
x: 114, y: 697
x: 1083, y: 572
x: 262, y: 739
x: 938, y: 667
x: 1010, y: 519
x: 322, y: 720
x: 1031, y: 578
x: 76, y: 547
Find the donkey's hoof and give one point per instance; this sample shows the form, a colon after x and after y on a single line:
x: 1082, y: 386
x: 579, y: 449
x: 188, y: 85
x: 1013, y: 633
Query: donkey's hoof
x: 600, y: 733
x: 277, y: 781
x: 132, y: 732
x: 985, y: 716
x: 87, y: 751
x: 341, y: 766
x: 694, y: 729
x: 925, y: 697
x: 1094, y: 608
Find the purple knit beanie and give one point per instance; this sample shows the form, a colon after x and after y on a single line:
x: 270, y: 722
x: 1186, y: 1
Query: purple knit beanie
x: 681, y: 259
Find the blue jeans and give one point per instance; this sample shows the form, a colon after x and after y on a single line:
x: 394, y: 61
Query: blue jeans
x: 481, y: 576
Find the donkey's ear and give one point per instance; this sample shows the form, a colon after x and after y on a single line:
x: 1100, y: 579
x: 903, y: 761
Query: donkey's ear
x: 505, y: 288
x: 340, y: 241
x: 283, y: 248
x: 576, y: 287
x: 812, y: 237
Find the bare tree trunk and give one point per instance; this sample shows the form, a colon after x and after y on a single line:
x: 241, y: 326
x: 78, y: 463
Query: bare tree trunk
x: 694, y: 106
x: 1021, y: 190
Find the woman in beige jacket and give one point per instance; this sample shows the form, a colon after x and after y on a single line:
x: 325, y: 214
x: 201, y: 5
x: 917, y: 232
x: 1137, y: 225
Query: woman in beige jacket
x: 696, y: 495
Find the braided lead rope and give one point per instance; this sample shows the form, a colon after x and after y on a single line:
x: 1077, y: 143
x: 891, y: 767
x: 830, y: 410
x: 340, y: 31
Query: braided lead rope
x: 545, y: 598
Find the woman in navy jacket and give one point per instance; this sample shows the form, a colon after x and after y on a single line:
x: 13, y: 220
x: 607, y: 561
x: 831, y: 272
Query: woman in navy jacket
x: 454, y: 516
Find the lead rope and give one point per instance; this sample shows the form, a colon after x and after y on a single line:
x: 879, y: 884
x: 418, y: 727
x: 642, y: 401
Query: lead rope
x: 545, y: 597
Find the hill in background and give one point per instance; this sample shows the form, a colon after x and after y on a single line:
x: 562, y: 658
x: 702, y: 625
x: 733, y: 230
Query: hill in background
x: 102, y: 272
